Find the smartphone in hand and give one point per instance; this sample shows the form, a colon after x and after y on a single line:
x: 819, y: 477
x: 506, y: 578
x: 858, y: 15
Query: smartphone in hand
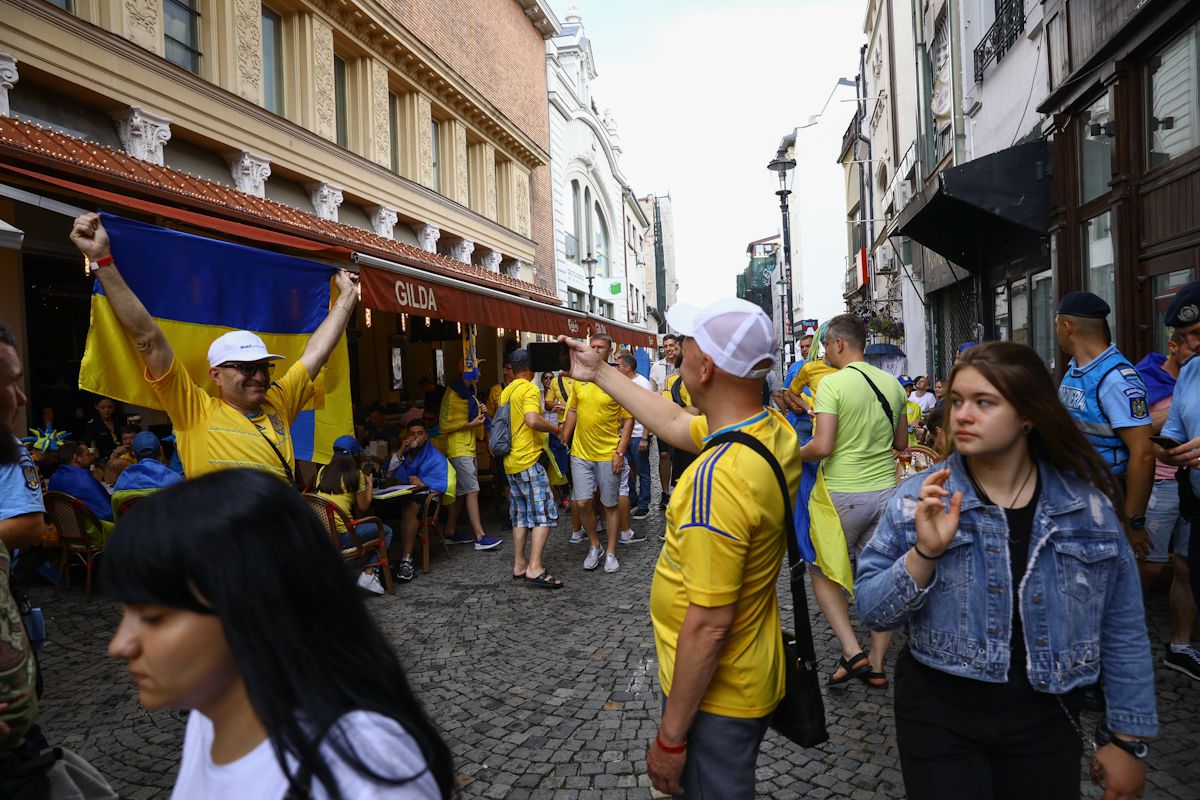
x: 1165, y: 442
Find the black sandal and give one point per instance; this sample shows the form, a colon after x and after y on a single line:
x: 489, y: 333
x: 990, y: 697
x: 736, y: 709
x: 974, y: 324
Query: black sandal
x: 545, y: 581
x: 852, y: 672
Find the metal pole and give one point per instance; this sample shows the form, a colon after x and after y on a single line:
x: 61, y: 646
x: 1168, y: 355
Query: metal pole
x: 591, y: 297
x: 790, y: 333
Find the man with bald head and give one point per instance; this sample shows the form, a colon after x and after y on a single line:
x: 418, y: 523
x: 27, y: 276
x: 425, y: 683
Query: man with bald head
x: 712, y: 601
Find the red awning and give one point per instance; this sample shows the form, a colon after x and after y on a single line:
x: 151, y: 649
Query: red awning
x: 403, y: 290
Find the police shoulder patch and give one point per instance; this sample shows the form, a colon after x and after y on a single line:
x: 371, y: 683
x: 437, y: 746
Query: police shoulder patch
x: 33, y: 481
x: 1137, y: 408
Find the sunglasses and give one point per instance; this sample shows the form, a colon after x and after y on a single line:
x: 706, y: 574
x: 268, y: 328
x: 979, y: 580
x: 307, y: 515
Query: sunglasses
x: 252, y: 369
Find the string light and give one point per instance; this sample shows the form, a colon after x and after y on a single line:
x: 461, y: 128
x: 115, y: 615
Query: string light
x: 404, y: 323
x: 367, y: 316
x: 87, y: 266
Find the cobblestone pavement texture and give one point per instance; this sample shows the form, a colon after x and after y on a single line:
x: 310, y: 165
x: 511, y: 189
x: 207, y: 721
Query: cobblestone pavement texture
x: 540, y: 694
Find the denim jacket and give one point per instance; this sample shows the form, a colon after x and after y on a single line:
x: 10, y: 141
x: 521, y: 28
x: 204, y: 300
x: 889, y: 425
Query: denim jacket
x: 1080, y: 600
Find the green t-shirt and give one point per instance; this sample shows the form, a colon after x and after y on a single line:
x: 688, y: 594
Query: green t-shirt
x: 17, y: 669
x: 862, y: 451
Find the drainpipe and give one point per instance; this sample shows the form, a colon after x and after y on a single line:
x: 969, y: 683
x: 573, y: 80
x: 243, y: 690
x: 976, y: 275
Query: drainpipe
x: 866, y: 189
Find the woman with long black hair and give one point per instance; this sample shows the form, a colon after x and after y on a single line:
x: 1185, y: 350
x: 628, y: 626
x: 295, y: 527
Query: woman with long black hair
x: 1010, y: 568
x: 236, y: 607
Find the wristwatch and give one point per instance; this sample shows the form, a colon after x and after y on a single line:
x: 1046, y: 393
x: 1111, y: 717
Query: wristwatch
x: 1136, y: 747
x: 1138, y: 522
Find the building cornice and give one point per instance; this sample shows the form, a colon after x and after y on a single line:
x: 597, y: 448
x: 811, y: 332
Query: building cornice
x: 543, y: 17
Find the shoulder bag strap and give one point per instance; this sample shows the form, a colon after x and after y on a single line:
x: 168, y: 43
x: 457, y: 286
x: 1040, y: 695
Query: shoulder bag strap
x: 287, y: 468
x: 562, y: 390
x: 887, y: 407
x: 803, y: 628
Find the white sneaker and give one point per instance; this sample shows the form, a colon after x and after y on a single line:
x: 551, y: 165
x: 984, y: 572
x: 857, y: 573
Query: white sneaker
x: 611, y: 564
x: 630, y: 537
x: 370, y: 582
x: 593, y: 557
x: 578, y: 536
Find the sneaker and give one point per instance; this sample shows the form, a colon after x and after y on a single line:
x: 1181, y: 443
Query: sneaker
x: 1187, y: 662
x: 599, y: 526
x: 578, y: 536
x: 611, y: 564
x: 662, y: 502
x: 405, y: 570
x: 370, y: 582
x: 641, y: 513
x: 460, y: 538
x: 593, y: 558
x: 629, y: 537
x: 488, y: 542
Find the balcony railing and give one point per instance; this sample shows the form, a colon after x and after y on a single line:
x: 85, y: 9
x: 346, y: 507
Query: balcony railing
x: 999, y: 39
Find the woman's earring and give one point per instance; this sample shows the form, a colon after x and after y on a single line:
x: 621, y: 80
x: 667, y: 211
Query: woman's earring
x: 1026, y: 428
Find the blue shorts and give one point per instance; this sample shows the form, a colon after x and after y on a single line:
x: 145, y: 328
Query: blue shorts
x: 1168, y: 530
x: 531, y: 503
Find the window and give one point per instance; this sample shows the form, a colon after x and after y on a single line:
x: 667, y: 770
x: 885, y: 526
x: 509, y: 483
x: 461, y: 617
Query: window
x: 1018, y: 307
x: 1173, y: 115
x: 181, y: 33
x: 471, y: 188
x: 1000, y: 309
x: 272, y: 50
x: 65, y: 5
x: 600, y: 245
x: 1164, y: 288
x: 1097, y: 129
x: 575, y: 300
x: 1045, y: 342
x: 339, y: 101
x: 394, y: 129
x: 437, y: 157
x: 1099, y: 268
x: 604, y: 309
x: 577, y: 214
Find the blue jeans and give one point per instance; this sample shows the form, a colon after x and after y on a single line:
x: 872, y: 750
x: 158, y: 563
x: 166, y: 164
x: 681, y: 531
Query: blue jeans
x: 367, y: 532
x: 639, y: 473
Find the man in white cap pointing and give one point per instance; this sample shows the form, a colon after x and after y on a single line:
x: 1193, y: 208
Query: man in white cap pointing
x: 712, y: 602
x: 249, y: 424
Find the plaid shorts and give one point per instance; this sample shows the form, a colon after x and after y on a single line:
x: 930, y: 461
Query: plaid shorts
x: 531, y: 501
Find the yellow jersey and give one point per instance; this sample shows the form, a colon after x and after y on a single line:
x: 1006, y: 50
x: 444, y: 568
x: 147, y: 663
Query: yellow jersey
x: 683, y: 392
x: 555, y: 393
x: 343, y: 500
x: 493, y: 400
x: 810, y: 375
x: 460, y: 441
x: 597, y: 422
x: 725, y: 545
x: 522, y: 397
x: 213, y: 435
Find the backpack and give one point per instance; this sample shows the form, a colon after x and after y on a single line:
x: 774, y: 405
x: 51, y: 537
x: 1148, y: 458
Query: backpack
x: 677, y: 392
x: 500, y: 436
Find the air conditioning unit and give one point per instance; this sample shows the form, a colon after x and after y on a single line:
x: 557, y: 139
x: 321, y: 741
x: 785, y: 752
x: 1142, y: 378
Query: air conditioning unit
x: 886, y: 264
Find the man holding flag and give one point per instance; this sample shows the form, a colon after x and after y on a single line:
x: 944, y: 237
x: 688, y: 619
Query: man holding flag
x: 248, y: 424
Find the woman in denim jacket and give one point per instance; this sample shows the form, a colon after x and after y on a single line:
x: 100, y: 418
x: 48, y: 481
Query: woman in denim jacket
x: 1011, y: 570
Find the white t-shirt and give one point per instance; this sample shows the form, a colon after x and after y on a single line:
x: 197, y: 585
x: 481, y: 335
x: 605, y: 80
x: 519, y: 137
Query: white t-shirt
x: 926, y: 402
x: 638, y: 430
x: 659, y: 372
x: 382, y: 743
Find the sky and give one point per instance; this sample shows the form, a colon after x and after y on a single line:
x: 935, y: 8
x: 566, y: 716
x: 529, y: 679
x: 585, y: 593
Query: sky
x: 702, y: 92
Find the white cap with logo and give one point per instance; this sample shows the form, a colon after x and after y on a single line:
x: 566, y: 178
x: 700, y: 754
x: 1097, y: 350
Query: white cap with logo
x: 238, y: 346
x: 735, y: 333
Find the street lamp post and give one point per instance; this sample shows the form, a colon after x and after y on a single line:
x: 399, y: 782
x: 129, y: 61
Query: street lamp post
x: 589, y: 264
x: 783, y: 166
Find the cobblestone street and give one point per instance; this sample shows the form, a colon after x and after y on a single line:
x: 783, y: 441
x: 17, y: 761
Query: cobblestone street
x: 539, y: 694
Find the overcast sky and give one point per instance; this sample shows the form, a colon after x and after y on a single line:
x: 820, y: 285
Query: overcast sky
x: 703, y: 91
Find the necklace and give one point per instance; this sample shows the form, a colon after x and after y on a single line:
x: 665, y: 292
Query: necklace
x: 1012, y: 503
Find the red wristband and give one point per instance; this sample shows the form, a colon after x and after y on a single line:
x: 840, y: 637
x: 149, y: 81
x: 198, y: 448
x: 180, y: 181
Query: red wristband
x: 103, y: 262
x: 668, y: 748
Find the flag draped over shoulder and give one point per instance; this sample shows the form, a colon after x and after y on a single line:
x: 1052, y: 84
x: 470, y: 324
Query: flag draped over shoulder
x: 197, y: 289
x: 819, y: 529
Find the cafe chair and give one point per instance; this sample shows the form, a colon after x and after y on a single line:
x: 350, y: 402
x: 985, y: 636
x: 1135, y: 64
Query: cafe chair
x: 80, y: 534
x: 427, y: 526
x: 306, y: 474
x: 358, y: 549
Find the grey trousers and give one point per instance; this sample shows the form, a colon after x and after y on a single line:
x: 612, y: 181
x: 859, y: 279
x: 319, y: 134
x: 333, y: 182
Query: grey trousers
x: 721, y: 757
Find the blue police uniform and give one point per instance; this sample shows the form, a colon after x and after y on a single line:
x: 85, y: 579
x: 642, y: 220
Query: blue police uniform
x: 1104, y: 396
x: 20, y: 488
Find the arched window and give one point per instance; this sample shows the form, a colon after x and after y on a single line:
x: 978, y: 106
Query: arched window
x: 600, y: 244
x: 573, y: 237
x: 587, y: 204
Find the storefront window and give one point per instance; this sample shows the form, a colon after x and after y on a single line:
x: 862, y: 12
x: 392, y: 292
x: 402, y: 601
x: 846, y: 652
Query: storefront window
x: 1043, y: 317
x: 1172, y: 123
x: 1000, y: 300
x: 1097, y: 131
x: 1018, y: 303
x: 1099, y: 268
x: 1164, y: 288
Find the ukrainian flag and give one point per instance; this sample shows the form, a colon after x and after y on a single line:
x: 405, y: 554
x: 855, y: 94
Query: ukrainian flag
x: 197, y: 289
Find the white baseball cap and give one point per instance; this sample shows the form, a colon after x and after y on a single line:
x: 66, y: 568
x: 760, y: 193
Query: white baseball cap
x: 238, y: 346
x: 735, y: 333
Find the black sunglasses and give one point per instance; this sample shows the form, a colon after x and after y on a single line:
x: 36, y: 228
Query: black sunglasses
x: 251, y: 369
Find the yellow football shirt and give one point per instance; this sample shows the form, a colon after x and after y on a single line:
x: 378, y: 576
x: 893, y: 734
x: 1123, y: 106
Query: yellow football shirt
x: 810, y: 375
x: 213, y: 435
x: 522, y: 397
x: 343, y: 500
x: 598, y: 422
x: 461, y: 442
x: 493, y: 401
x: 555, y: 394
x: 725, y: 545
x: 683, y: 392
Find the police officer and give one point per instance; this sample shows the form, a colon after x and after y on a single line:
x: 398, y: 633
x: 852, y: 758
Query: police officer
x: 1105, y: 395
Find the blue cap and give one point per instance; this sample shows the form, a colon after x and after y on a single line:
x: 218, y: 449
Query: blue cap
x: 965, y: 346
x: 347, y: 444
x: 146, y: 445
x: 471, y: 375
x: 905, y: 380
x: 1184, y: 310
x: 1083, y: 304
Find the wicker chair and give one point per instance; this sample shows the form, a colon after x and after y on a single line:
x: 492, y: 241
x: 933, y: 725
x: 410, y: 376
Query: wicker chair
x: 358, y: 549
x: 80, y: 534
x: 427, y: 526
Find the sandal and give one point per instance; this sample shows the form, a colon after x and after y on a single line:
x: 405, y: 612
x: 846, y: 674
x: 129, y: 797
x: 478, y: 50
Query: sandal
x: 545, y: 581
x: 876, y: 680
x: 852, y: 672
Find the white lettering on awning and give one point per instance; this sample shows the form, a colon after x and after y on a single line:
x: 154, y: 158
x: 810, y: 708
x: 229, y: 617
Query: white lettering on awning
x: 422, y: 297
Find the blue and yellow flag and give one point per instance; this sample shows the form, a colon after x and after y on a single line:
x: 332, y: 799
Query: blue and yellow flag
x: 197, y: 289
